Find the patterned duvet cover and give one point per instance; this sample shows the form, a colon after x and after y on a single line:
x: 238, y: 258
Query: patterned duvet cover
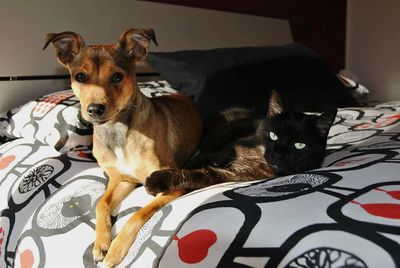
x: 345, y: 214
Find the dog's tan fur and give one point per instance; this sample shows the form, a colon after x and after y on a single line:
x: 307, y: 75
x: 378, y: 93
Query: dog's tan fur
x: 134, y: 136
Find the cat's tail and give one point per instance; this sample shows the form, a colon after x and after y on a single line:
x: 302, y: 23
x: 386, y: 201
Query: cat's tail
x: 173, y: 179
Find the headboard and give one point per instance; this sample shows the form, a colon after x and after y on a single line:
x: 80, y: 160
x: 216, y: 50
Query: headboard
x: 320, y: 25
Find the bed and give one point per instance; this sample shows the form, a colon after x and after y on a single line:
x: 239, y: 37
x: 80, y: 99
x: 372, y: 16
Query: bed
x: 345, y: 214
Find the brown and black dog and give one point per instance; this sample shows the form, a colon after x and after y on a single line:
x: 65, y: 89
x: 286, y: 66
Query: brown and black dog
x: 133, y: 135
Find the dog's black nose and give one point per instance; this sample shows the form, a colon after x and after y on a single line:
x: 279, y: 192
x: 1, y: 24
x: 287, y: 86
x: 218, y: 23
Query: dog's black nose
x: 96, y: 110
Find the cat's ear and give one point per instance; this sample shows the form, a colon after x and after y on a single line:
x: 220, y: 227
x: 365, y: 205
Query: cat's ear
x: 275, y: 105
x: 325, y: 121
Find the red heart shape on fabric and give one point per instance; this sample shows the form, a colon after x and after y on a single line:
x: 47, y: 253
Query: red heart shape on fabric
x: 395, y: 194
x: 83, y: 155
x: 193, y: 247
x: 26, y: 258
x: 5, y: 161
x: 385, y: 210
x: 1, y: 238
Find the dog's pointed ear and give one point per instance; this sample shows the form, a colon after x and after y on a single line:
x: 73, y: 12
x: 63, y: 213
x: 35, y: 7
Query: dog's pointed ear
x: 135, y: 42
x: 67, y: 45
x: 275, y: 106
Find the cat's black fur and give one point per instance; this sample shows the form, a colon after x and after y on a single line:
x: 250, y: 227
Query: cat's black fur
x: 240, y: 147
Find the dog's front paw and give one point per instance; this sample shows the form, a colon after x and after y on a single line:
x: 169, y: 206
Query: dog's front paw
x: 101, y: 246
x: 118, y: 250
x: 103, y: 265
x: 158, y: 181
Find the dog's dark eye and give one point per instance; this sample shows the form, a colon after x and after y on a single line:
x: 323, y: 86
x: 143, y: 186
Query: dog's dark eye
x: 116, y: 77
x: 81, y: 77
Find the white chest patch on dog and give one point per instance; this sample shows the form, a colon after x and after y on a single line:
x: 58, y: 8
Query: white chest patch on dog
x: 122, y: 165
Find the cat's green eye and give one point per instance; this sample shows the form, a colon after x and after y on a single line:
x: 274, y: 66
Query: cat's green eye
x: 273, y: 136
x: 299, y: 145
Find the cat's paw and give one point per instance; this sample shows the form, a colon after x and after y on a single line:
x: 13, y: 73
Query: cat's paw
x: 158, y: 182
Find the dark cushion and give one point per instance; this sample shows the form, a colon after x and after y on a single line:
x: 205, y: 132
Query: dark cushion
x: 226, y: 77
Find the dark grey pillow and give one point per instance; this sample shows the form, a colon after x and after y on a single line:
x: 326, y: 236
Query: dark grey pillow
x: 226, y: 77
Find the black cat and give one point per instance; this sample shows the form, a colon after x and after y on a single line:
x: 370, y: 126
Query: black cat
x: 241, y: 147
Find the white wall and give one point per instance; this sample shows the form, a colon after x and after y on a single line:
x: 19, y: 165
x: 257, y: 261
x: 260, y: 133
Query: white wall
x: 24, y: 24
x: 373, y: 46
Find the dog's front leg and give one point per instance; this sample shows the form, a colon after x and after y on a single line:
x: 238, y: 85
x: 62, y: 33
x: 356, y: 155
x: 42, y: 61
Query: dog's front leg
x: 116, y: 191
x: 123, y: 241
